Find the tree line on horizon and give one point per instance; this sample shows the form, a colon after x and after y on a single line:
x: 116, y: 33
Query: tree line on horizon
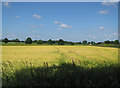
x: 59, y: 42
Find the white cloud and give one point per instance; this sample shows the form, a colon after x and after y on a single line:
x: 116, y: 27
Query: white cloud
x: 17, y: 16
x: 57, y: 22
x: 91, y: 36
x: 103, y: 11
x: 6, y: 4
x: 108, y: 3
x: 34, y: 36
x: 112, y: 3
x: 101, y: 28
x: 110, y: 36
x: 37, y: 16
x: 115, y: 34
x: 62, y: 25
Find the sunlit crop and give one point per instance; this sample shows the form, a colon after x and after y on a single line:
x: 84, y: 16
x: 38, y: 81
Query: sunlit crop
x: 15, y: 59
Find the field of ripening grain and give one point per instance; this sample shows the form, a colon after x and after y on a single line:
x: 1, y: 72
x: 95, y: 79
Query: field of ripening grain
x: 16, y: 60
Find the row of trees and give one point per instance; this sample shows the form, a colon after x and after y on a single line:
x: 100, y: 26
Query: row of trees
x: 29, y: 41
x: 59, y: 42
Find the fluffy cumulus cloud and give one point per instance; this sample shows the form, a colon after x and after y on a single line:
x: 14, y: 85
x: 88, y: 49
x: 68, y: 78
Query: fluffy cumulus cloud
x: 65, y: 26
x: 101, y: 28
x: 17, y: 16
x: 6, y: 4
x: 103, y: 11
x: 62, y: 25
x: 37, y: 16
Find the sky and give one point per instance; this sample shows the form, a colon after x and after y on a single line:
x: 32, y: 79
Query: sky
x: 70, y: 21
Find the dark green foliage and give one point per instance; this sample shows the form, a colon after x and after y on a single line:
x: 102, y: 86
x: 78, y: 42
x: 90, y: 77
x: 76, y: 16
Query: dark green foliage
x: 60, y: 42
x: 39, y: 42
x: 116, y: 42
x: 79, y: 43
x: 28, y: 40
x: 65, y: 75
x: 93, y: 43
x: 99, y: 43
x: 49, y: 41
x: 89, y: 43
x: 71, y: 43
x: 35, y: 41
x: 44, y: 41
x: 17, y: 40
x: 107, y: 42
x: 84, y: 42
x: 6, y: 40
x: 111, y: 42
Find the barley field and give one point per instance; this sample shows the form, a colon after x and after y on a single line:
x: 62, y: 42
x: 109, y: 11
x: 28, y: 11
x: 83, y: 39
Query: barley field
x: 59, y: 66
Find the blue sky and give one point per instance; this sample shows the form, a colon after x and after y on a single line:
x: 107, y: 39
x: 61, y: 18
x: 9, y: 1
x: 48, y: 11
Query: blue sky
x: 92, y: 21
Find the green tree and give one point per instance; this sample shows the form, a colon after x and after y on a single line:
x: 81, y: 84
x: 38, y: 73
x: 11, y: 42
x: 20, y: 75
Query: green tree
x: 84, y: 42
x: 60, y: 42
x: 116, y: 42
x: 28, y: 40
x: 79, y: 42
x: 39, y: 42
x: 111, y: 42
x: 17, y: 40
x: 6, y: 40
x: 49, y: 41
x: 89, y: 43
x: 92, y: 43
x: 107, y: 42
x: 13, y: 40
x: 35, y: 41
x: 71, y: 43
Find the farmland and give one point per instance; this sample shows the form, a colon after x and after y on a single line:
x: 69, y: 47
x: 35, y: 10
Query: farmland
x: 59, y: 65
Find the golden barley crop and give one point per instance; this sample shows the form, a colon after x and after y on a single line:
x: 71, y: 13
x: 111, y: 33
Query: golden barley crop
x: 59, y: 65
x: 55, y: 54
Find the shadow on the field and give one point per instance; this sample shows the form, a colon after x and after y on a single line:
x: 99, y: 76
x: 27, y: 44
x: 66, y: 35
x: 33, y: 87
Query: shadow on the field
x: 65, y: 75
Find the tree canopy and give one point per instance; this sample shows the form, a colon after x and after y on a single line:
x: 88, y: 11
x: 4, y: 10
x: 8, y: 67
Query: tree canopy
x: 6, y: 40
x: 60, y: 42
x: 28, y: 40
